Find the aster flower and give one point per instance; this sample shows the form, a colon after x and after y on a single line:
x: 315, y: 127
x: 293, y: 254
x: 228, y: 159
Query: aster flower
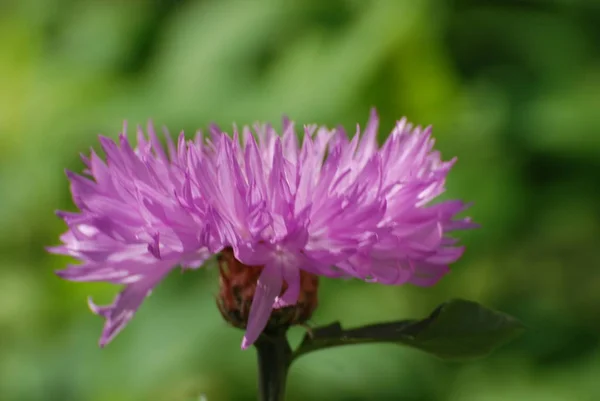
x: 285, y: 209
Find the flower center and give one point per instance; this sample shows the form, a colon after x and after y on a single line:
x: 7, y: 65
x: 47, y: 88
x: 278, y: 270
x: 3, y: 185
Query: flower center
x: 237, y: 284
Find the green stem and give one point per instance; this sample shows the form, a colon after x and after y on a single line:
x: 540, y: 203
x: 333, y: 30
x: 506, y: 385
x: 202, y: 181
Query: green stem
x: 274, y: 358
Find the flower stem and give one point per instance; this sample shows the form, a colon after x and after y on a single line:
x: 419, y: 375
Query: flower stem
x: 274, y: 358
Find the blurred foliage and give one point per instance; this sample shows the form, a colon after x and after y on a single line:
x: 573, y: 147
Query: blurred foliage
x: 511, y: 87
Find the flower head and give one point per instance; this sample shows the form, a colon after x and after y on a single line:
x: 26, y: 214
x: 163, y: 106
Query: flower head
x: 327, y: 205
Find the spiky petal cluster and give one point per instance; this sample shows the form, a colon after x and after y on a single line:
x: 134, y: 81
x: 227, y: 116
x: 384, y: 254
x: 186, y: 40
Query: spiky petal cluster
x: 329, y: 204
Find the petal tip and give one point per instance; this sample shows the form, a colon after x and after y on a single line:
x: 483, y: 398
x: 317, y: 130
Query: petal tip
x: 373, y: 113
x: 60, y: 273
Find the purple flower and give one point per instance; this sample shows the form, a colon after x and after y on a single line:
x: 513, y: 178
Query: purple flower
x: 331, y: 206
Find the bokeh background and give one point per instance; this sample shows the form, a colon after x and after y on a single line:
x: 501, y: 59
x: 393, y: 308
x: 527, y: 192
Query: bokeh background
x: 511, y: 87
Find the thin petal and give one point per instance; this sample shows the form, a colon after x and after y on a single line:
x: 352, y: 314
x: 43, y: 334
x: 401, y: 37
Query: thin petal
x: 291, y: 294
x: 125, y: 305
x: 267, y: 289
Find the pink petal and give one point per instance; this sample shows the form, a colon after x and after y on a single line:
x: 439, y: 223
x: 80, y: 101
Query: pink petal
x: 267, y: 289
x: 124, y: 306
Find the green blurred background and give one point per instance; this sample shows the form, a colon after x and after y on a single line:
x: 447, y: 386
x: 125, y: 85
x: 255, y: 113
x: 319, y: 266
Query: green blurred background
x: 511, y: 87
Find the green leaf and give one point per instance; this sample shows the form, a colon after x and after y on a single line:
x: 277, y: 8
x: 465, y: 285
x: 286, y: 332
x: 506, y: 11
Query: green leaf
x: 456, y: 330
